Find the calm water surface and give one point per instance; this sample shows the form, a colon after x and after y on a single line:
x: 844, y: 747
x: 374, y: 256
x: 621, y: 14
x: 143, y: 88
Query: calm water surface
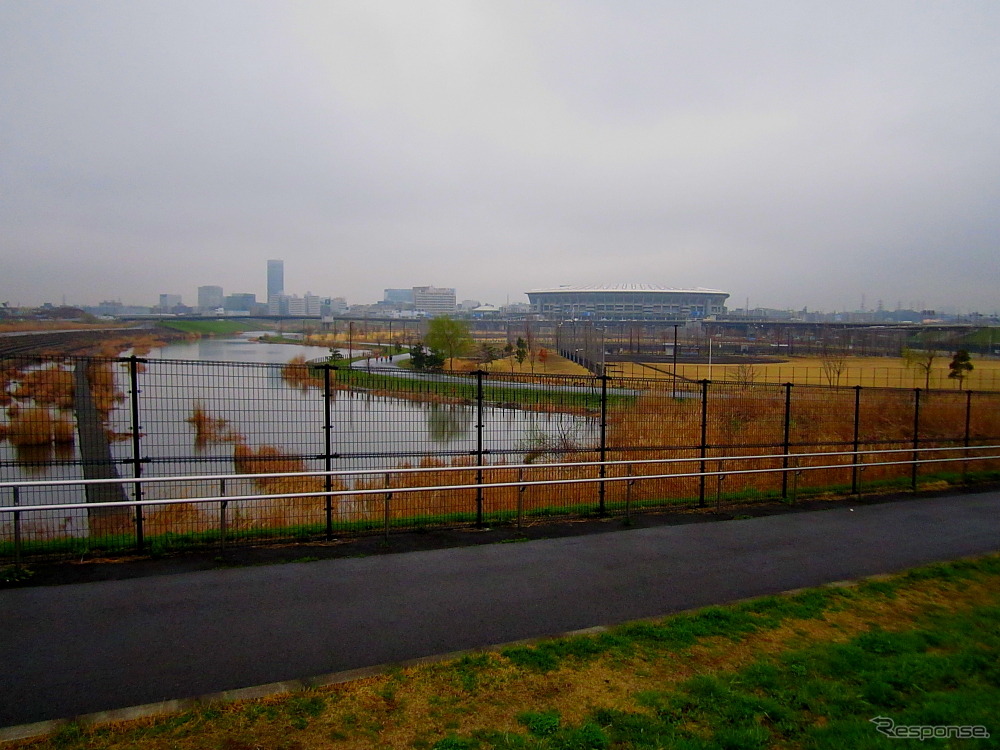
x: 229, y: 380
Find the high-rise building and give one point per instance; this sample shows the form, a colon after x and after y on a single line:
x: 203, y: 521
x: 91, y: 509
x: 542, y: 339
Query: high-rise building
x: 433, y: 301
x: 210, y: 297
x: 275, y: 278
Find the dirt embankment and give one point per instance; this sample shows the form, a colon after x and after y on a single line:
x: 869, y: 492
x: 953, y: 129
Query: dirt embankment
x: 86, y: 343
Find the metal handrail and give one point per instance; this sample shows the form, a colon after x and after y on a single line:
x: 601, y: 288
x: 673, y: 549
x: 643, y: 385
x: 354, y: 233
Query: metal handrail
x: 485, y: 484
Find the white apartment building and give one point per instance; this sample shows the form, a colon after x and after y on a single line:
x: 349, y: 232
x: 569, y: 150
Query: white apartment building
x: 434, y: 301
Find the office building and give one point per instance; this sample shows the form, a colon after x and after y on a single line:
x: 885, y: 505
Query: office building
x: 275, y: 278
x: 433, y: 301
x: 210, y: 297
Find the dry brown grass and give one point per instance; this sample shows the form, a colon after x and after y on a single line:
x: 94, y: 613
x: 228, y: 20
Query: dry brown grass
x: 54, y: 325
x: 553, y: 365
x: 883, y: 372
x: 209, y: 429
x: 298, y: 374
x: 51, y: 386
x: 103, y: 388
x: 278, y: 511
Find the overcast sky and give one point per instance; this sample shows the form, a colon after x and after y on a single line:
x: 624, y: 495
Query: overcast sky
x: 800, y: 153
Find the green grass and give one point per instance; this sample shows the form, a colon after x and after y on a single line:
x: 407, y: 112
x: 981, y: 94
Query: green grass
x: 492, y: 394
x: 809, y: 670
x: 209, y: 327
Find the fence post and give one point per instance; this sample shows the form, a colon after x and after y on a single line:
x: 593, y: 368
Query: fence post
x: 520, y: 498
x: 968, y: 435
x: 328, y: 448
x: 916, y: 438
x: 857, y: 435
x: 133, y: 373
x: 386, y: 500
x: 479, y: 448
x: 786, y: 440
x: 704, y: 442
x: 17, y: 527
x: 603, y: 452
x: 223, y: 505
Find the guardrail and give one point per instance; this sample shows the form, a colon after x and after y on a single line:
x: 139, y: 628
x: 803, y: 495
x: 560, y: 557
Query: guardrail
x: 791, y: 466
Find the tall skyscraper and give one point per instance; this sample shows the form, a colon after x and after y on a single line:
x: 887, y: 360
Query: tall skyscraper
x: 275, y: 278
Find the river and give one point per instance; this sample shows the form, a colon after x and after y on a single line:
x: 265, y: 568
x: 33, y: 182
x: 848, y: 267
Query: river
x: 236, y: 382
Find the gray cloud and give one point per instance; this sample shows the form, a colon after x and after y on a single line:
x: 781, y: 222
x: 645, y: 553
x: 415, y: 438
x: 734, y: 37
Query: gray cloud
x: 793, y: 153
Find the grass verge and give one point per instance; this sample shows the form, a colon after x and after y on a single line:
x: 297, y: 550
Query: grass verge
x: 209, y: 327
x: 810, y: 669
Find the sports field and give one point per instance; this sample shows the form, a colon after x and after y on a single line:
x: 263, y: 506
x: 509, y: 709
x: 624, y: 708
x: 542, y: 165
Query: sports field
x: 882, y: 372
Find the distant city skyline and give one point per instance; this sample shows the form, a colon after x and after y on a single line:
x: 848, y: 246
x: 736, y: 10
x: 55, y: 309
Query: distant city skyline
x: 799, y: 155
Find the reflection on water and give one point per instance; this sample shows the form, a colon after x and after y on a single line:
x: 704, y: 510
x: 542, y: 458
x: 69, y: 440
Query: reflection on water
x: 448, y: 422
x: 35, y: 460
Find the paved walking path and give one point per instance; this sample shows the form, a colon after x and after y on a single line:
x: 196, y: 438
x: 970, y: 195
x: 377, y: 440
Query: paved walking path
x: 69, y: 650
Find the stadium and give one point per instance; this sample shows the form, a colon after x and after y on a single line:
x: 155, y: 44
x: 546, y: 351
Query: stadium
x: 626, y: 302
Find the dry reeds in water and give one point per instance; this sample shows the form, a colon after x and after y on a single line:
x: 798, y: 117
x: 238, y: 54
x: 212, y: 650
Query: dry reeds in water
x: 52, y: 385
x: 36, y: 426
x: 209, y: 429
x: 298, y: 374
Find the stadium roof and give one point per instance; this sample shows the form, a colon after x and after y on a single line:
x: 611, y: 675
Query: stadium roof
x: 623, y: 288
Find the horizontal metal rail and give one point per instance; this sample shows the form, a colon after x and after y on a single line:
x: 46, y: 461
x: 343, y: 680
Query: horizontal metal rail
x: 19, y: 509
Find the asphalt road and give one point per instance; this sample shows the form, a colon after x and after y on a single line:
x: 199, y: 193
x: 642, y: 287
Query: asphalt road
x: 69, y: 650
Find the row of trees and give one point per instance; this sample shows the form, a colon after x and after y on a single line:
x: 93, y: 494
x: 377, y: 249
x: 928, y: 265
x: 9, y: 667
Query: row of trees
x: 449, y: 339
x: 923, y: 359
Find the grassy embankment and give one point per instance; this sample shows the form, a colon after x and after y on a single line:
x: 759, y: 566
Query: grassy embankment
x: 209, y: 327
x: 805, y: 670
x: 41, y: 326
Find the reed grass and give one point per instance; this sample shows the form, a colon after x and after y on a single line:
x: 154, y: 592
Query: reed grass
x: 50, y: 386
x: 37, y: 426
x: 209, y: 429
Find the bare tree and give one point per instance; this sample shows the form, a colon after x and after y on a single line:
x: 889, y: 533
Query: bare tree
x: 833, y: 368
x: 745, y: 375
x: 923, y: 360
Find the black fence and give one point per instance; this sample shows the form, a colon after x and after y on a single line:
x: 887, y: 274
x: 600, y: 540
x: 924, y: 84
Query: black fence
x: 71, y: 419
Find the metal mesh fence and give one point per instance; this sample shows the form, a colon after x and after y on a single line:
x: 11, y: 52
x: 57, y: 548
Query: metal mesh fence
x: 122, y: 418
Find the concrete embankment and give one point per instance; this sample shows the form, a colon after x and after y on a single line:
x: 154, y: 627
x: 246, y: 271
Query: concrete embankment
x: 95, y: 453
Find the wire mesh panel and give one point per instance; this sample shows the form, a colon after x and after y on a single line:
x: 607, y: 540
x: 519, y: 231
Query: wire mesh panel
x: 652, y: 419
x: 942, y: 423
x: 542, y: 420
x: 886, y: 418
x: 745, y: 419
x: 983, y: 419
x: 820, y: 420
x: 117, y: 419
x: 38, y: 441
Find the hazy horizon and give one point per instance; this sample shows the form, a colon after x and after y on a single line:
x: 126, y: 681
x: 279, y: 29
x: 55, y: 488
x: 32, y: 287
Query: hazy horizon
x: 791, y: 154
